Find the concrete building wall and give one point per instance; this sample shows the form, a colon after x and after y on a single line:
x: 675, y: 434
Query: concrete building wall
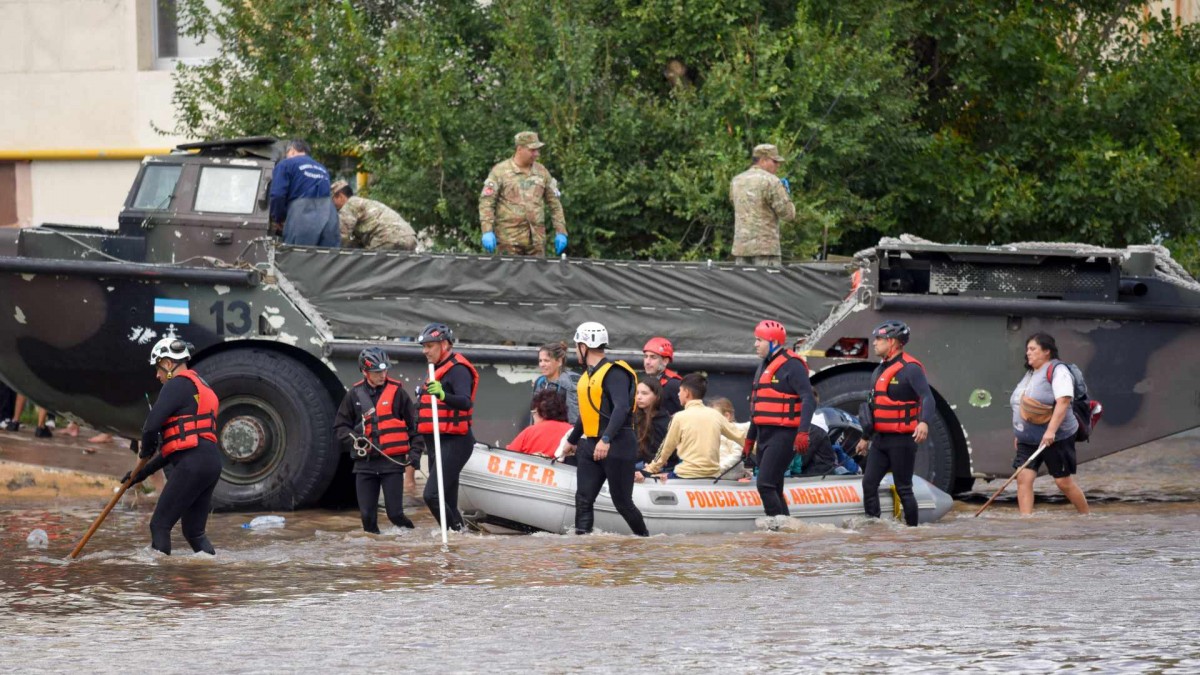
x: 81, y: 75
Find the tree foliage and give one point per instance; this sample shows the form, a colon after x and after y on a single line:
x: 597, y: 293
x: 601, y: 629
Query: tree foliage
x: 974, y: 122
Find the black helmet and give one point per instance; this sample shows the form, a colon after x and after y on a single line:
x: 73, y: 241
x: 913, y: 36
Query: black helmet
x: 373, y: 360
x: 892, y: 329
x: 436, y: 332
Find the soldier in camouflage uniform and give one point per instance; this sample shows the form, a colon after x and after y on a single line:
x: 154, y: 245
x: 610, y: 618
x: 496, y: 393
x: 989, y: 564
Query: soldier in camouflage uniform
x: 760, y: 201
x: 369, y: 224
x: 512, y: 205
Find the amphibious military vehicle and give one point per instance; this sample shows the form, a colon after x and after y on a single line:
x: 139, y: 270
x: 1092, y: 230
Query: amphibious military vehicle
x: 277, y: 329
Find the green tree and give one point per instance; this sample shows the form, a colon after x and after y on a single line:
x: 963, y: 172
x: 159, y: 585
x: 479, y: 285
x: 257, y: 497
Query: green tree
x: 1072, y: 121
x: 979, y: 122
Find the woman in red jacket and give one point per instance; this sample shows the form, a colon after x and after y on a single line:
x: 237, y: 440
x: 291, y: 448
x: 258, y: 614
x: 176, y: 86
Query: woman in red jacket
x: 548, y: 428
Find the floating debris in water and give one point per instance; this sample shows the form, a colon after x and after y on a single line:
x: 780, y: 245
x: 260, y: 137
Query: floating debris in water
x: 264, y: 523
x: 38, y: 539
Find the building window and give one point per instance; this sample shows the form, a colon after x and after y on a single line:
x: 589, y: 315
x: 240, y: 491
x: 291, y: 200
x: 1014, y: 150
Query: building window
x: 171, y: 45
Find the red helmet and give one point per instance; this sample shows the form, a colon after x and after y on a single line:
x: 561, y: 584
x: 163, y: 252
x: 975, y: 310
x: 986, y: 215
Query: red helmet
x: 771, y: 331
x: 660, y: 346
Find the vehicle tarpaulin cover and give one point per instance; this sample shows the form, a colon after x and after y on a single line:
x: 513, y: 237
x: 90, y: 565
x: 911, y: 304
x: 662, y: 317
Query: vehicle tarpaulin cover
x: 529, y: 301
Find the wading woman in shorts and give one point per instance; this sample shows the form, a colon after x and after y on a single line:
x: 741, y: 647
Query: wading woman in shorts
x: 1041, y: 404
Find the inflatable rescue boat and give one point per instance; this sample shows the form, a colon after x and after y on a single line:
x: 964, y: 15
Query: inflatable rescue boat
x: 523, y: 491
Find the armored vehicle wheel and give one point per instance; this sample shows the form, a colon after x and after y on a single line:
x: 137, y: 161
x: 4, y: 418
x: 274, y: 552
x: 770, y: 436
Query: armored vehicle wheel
x: 275, y: 430
x: 935, y: 457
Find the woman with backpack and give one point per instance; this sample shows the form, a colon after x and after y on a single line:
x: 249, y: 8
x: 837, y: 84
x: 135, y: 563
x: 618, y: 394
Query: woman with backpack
x: 1042, y: 415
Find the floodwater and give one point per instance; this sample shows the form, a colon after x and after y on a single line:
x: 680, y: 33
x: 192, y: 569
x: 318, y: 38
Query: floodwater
x: 1116, y: 591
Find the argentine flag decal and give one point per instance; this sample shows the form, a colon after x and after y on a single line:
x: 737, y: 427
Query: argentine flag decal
x: 171, y: 311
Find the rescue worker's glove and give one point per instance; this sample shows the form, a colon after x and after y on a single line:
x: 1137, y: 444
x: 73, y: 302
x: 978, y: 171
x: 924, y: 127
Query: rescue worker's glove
x: 748, y: 448
x: 147, y: 451
x: 787, y: 185
x: 800, y: 445
x: 434, y: 388
x: 560, y: 243
x: 489, y: 242
x: 136, y: 479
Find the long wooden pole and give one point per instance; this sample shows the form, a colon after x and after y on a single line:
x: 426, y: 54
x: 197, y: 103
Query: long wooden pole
x: 1010, y: 480
x: 112, y: 503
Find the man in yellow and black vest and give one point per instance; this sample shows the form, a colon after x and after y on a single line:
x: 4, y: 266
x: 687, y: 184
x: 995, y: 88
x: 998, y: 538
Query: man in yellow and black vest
x: 184, y: 421
x: 454, y: 384
x: 608, y: 450
x: 900, y: 404
x: 781, y: 408
x: 377, y: 424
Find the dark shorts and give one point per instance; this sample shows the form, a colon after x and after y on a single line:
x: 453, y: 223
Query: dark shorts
x: 1059, y: 457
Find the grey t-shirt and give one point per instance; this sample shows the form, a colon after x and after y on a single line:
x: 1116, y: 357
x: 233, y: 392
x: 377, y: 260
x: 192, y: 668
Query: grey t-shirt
x: 1035, y: 386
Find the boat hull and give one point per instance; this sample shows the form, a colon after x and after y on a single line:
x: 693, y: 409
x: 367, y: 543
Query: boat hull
x: 536, y: 493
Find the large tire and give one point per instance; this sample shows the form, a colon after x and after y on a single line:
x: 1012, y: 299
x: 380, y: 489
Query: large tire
x: 935, y: 457
x: 275, y: 430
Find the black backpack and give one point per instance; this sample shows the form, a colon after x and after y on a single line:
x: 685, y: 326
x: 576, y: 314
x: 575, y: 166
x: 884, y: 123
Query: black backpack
x: 1087, y: 412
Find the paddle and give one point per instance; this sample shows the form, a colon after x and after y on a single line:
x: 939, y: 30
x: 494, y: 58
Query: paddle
x: 437, y: 459
x: 112, y: 503
x: 1010, y: 479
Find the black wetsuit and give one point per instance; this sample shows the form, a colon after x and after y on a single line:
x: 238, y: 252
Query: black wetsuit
x: 897, y: 452
x: 670, y: 395
x: 376, y: 471
x: 616, y: 422
x: 776, y: 444
x: 192, y: 477
x: 456, y: 448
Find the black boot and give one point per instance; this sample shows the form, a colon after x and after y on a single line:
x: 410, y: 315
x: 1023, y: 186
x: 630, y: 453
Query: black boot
x: 201, y: 544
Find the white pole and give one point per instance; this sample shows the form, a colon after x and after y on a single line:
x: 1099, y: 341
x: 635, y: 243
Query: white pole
x: 437, y: 459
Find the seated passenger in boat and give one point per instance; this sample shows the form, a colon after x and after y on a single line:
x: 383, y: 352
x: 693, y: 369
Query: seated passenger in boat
x: 695, y: 434
x: 731, y: 451
x: 650, y: 420
x: 820, y: 458
x: 548, y: 428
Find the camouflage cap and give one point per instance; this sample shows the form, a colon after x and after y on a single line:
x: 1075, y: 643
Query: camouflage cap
x: 338, y: 185
x: 528, y: 139
x: 767, y: 151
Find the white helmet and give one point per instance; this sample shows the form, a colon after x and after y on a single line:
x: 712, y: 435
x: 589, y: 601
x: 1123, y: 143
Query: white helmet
x: 170, y: 348
x: 591, y: 334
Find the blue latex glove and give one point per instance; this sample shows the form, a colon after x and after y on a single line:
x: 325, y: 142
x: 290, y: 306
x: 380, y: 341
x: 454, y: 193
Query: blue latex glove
x: 489, y: 242
x: 560, y: 243
x: 787, y: 185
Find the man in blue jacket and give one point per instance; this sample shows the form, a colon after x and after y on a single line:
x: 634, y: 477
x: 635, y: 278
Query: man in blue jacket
x: 301, y: 202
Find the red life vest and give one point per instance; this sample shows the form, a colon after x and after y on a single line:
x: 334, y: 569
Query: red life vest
x: 667, y: 375
x: 450, y: 421
x: 185, y: 431
x: 388, y: 432
x: 893, y: 416
x: 771, y: 407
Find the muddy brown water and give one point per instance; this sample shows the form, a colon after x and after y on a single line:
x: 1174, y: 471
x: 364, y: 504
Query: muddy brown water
x: 1113, y: 592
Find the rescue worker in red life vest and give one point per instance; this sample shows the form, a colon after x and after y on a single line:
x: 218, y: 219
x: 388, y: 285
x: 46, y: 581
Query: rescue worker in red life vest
x: 657, y: 356
x: 182, y: 428
x: 604, y: 432
x: 901, y: 403
x: 453, y: 386
x: 781, y: 409
x: 377, y: 424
